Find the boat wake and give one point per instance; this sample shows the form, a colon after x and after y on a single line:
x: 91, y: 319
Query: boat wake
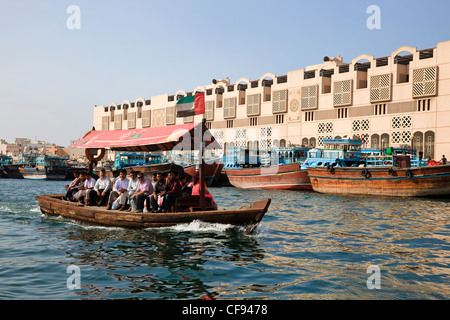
x: 199, y: 226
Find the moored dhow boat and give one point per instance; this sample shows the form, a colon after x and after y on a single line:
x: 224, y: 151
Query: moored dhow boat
x: 213, y: 166
x: 280, y: 169
x: 45, y: 168
x: 383, y: 181
x: 348, y: 173
x: 147, y: 163
x: 186, y: 209
x: 8, y: 169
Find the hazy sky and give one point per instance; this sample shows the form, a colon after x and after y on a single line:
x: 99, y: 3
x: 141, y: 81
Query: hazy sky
x: 51, y: 76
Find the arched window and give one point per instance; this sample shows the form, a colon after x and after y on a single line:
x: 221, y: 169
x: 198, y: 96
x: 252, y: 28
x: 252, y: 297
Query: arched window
x: 429, y: 145
x: 384, y: 141
x: 375, y: 141
x: 305, y: 142
x: 312, y: 142
x: 418, y: 142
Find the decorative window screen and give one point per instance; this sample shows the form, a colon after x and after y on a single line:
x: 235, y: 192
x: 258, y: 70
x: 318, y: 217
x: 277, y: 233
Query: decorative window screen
x: 425, y: 82
x: 146, y: 118
x: 401, y: 127
x: 229, y: 108
x: 360, y: 125
x: 131, y: 122
x: 118, y: 122
x: 159, y: 117
x: 209, y: 110
x: 218, y: 136
x: 105, y: 123
x: 170, y: 115
x: 309, y: 97
x: 241, y: 138
x: 265, y: 138
x: 279, y: 101
x: 342, y: 93
x: 325, y: 127
x: 253, y: 105
x: 380, y: 88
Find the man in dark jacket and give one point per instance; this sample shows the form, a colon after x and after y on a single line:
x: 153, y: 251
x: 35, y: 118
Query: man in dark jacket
x: 171, y: 191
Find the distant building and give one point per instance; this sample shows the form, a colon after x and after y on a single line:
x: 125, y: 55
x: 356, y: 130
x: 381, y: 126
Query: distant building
x: 56, y: 151
x: 399, y: 99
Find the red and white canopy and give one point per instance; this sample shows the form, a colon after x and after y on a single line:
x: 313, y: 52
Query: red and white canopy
x: 149, y: 139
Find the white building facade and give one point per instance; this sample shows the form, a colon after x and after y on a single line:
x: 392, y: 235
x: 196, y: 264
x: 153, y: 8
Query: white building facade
x: 400, y: 99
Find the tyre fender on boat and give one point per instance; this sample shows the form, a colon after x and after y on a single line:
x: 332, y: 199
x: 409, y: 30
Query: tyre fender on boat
x: 365, y: 173
x: 409, y: 174
x: 391, y: 171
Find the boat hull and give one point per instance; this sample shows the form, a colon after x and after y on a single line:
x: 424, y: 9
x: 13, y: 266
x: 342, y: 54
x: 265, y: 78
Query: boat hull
x: 212, y: 173
x: 383, y: 181
x: 10, y: 171
x: 282, y: 177
x: 43, y: 174
x: 52, y: 205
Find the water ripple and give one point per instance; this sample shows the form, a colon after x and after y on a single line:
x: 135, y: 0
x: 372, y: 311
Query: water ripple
x: 309, y: 246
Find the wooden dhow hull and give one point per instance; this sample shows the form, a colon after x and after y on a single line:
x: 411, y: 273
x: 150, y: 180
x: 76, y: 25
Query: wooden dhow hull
x: 212, y: 173
x: 383, y: 181
x: 44, y: 174
x: 10, y: 171
x: 282, y: 177
x: 52, y: 205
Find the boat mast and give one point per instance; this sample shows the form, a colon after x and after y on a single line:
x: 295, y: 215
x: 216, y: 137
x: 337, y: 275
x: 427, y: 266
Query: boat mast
x: 201, y: 168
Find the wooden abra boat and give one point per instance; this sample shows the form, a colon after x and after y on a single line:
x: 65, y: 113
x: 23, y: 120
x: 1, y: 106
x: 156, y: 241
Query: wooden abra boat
x: 187, y: 210
x: 52, y: 205
x: 383, y: 181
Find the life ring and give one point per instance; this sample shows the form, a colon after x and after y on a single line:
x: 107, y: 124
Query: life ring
x: 346, y: 156
x: 352, y: 155
x: 92, y: 158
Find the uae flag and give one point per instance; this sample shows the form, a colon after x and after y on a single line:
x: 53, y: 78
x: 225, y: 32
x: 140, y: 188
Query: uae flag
x: 190, y: 106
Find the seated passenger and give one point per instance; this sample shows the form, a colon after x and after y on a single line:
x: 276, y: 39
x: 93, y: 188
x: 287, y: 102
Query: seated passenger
x: 72, y: 188
x: 120, y: 191
x: 195, y: 184
x: 86, y: 191
x: 134, y: 181
x: 159, y: 188
x: 143, y: 190
x: 102, y: 188
x: 171, y: 191
x: 186, y: 189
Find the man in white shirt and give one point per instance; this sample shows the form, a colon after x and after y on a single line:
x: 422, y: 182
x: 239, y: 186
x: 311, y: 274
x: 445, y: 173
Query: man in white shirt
x: 120, y: 191
x: 102, y: 188
x: 134, y: 181
x: 86, y: 190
